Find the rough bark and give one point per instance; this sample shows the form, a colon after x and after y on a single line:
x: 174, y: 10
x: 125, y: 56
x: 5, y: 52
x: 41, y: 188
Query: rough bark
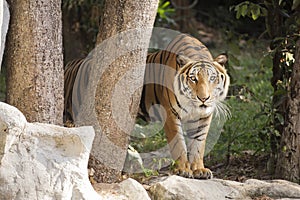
x: 34, y: 60
x: 125, y: 29
x: 288, y: 164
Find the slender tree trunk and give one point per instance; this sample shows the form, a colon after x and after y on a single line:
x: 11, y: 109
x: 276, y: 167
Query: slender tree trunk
x: 124, y: 36
x: 34, y: 60
x: 288, y: 164
x: 185, y: 15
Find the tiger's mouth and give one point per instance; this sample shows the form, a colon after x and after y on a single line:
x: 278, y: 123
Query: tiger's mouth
x: 203, y: 106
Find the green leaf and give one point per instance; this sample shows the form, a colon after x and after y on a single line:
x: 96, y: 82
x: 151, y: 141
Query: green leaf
x: 244, y: 10
x: 296, y: 3
x: 266, y: 61
x: 238, y: 12
x: 166, y: 4
x: 255, y: 12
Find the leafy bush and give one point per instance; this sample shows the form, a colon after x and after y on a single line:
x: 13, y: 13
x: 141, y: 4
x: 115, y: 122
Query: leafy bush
x: 249, y: 97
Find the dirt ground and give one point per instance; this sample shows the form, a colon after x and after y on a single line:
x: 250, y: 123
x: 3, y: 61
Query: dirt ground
x: 243, y: 167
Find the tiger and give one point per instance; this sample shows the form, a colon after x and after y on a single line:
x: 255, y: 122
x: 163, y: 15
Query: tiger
x: 70, y: 74
x: 183, y: 87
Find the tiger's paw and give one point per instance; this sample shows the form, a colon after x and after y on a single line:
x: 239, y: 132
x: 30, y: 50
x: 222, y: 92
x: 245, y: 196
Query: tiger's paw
x: 69, y: 124
x: 184, y: 170
x: 202, y: 173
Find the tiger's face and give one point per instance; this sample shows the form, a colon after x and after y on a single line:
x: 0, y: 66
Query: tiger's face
x: 202, y: 84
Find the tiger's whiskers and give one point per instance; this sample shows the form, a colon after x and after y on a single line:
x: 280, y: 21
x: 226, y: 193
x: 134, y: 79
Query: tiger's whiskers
x: 222, y: 111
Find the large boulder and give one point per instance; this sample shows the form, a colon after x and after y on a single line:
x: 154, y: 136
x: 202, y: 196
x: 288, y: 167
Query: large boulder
x: 128, y: 189
x: 43, y: 161
x: 175, y: 188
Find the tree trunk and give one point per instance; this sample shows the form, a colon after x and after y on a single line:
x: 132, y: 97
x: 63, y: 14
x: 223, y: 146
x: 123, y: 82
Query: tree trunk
x: 123, y: 37
x: 34, y: 60
x: 288, y: 164
x: 185, y: 15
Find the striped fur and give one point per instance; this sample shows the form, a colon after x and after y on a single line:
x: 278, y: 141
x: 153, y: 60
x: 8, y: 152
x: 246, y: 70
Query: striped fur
x: 183, y: 86
x: 79, y: 75
x: 71, y: 70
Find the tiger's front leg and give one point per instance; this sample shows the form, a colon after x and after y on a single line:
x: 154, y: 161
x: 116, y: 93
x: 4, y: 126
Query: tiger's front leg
x: 177, y: 146
x: 197, y: 165
x: 196, y: 141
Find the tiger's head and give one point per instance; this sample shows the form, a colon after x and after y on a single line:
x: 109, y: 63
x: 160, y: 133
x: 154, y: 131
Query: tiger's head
x: 202, y: 84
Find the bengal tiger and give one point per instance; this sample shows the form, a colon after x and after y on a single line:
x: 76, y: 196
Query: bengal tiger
x: 70, y: 74
x: 183, y: 86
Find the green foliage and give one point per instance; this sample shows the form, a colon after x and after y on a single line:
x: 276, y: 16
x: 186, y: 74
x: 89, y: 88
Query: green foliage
x: 85, y: 17
x: 249, y: 9
x: 282, y: 25
x: 164, y: 9
x: 250, y: 91
x: 148, y: 137
x: 164, y: 13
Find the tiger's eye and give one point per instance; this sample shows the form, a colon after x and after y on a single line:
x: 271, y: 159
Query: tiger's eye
x: 193, y: 78
x: 212, y: 78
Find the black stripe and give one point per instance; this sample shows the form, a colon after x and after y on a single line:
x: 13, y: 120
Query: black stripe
x: 191, y: 133
x: 189, y: 47
x: 175, y: 42
x: 171, y: 106
x: 180, y: 80
x: 198, y: 137
x: 142, y: 103
x: 179, y: 105
x: 197, y: 120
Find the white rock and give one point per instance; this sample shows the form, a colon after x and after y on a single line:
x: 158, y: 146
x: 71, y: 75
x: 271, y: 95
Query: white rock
x: 133, y: 190
x: 175, y: 187
x: 128, y: 189
x: 42, y: 161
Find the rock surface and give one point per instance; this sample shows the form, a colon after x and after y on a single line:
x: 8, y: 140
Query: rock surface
x: 128, y: 189
x: 175, y: 187
x: 42, y: 161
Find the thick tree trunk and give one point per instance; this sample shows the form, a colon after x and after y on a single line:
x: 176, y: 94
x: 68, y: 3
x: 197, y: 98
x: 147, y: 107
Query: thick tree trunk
x: 288, y: 164
x: 124, y: 36
x: 34, y: 60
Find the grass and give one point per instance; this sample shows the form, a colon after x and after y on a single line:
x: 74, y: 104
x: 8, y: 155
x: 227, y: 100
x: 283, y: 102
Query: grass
x: 250, y: 91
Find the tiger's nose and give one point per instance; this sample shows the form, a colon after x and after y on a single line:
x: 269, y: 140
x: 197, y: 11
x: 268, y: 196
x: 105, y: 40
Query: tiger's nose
x: 203, y: 99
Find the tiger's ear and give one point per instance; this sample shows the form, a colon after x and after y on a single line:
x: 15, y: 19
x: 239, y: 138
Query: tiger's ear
x: 182, y: 60
x: 221, y: 59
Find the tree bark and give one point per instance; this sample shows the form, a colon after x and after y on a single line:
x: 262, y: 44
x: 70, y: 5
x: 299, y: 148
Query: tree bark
x: 124, y: 36
x: 288, y: 164
x: 34, y: 60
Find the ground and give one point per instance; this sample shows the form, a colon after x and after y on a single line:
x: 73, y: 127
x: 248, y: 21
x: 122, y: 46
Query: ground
x: 243, y: 167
